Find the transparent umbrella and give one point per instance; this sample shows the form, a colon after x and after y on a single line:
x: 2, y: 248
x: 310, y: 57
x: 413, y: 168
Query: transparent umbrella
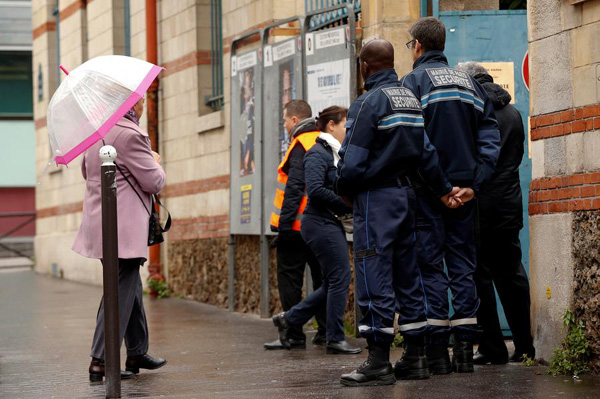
x: 91, y: 99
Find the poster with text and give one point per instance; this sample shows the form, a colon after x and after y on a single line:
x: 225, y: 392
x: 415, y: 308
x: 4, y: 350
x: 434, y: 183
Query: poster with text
x: 328, y: 84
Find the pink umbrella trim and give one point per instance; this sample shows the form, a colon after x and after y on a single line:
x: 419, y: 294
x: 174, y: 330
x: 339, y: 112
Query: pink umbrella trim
x: 110, y: 122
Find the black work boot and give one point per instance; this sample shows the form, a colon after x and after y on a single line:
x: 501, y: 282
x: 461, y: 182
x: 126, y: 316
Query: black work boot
x: 413, y: 363
x: 462, y: 357
x: 438, y: 359
x: 284, y: 329
x: 376, y: 370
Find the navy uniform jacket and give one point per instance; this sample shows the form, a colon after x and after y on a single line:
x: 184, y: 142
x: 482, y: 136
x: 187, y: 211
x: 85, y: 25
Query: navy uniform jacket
x: 459, y: 119
x: 385, y: 140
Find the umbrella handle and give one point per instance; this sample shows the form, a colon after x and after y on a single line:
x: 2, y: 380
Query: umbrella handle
x: 62, y: 68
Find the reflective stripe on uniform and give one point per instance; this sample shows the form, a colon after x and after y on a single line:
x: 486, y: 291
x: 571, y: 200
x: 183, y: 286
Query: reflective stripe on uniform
x: 439, y: 323
x: 463, y: 322
x: 412, y: 326
x: 450, y: 95
x: 385, y: 330
x: 400, y: 119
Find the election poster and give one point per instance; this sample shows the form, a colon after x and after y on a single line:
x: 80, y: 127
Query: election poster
x: 328, y: 84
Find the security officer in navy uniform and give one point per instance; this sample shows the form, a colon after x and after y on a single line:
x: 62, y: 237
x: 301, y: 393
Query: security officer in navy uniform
x: 385, y: 144
x: 460, y: 122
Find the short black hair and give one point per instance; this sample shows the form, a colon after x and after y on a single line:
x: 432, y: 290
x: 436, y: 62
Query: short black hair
x: 430, y: 32
x: 298, y: 108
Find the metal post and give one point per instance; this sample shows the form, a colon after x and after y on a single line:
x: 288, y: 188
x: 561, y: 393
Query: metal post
x: 110, y: 255
x: 231, y: 277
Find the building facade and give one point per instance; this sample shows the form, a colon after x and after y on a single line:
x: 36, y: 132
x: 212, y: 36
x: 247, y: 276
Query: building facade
x: 17, y: 183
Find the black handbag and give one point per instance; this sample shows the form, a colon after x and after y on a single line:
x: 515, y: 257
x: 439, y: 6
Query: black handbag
x: 155, y: 230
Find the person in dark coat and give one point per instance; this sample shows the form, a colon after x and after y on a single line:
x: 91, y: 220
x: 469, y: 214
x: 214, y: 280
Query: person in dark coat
x: 286, y: 219
x: 324, y: 234
x: 501, y: 219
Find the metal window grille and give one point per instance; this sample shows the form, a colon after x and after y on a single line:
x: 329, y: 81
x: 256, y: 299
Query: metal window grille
x: 216, y: 100
x: 331, y: 17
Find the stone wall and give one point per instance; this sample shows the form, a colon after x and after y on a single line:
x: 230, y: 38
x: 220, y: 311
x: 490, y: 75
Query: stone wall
x: 564, y: 195
x: 586, y: 296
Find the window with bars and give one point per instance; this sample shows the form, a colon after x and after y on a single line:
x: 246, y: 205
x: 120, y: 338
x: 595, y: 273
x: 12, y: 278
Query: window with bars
x: 216, y: 99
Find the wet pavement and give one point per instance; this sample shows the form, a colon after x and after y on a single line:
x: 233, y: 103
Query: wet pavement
x: 46, y: 330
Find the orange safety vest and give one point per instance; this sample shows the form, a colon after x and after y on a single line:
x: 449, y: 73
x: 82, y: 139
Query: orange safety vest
x: 307, y: 140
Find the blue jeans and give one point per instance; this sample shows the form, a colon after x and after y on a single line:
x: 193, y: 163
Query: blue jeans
x: 327, y: 240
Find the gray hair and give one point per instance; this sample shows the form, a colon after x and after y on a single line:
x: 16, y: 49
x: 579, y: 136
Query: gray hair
x: 472, y: 68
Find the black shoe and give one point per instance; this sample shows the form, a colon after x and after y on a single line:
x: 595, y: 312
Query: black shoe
x: 342, y: 347
x: 481, y: 359
x: 96, y: 371
x: 135, y: 363
x: 413, y: 363
x: 462, y: 357
x: 438, y: 359
x: 319, y: 339
x: 294, y: 343
x: 376, y: 370
x: 517, y: 356
x: 284, y: 329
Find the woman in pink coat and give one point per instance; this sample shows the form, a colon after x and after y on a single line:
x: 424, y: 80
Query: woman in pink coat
x: 141, y: 166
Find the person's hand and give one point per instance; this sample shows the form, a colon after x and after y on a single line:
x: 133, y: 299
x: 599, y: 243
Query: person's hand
x: 450, y: 199
x: 156, y: 156
x: 465, y: 194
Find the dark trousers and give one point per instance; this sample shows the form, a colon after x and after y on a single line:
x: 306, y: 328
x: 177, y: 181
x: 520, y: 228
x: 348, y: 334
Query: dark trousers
x: 292, y: 256
x: 327, y: 240
x: 500, y: 265
x: 133, y: 326
x: 387, y: 273
x: 448, y: 235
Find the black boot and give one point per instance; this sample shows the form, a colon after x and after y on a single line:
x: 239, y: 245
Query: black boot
x: 438, y: 359
x: 376, y: 370
x: 284, y: 329
x: 462, y: 357
x: 413, y: 363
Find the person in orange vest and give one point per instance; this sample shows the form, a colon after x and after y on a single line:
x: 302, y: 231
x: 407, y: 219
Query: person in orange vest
x: 290, y: 201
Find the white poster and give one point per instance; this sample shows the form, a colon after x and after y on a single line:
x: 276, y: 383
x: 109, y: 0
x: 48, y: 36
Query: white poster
x: 246, y: 61
x: 284, y: 50
x: 328, y: 84
x: 330, y: 38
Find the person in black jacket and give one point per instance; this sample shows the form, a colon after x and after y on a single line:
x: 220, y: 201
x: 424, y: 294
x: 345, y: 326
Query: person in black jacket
x: 501, y: 219
x: 286, y: 219
x: 325, y: 236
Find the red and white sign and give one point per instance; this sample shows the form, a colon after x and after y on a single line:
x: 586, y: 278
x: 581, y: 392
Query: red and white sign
x: 525, y: 70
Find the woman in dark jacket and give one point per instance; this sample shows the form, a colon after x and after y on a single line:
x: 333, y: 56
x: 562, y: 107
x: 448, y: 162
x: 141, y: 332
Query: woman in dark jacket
x: 325, y: 235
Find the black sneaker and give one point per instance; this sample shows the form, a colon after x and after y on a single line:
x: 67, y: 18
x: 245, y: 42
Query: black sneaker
x: 438, y: 359
x: 413, y: 363
x: 462, y: 357
x: 517, y: 356
x: 276, y: 345
x: 376, y: 370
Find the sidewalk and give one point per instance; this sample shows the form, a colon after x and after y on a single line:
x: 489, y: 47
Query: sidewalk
x: 47, y: 326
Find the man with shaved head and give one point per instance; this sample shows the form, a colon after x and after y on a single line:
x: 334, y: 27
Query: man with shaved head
x: 385, y: 145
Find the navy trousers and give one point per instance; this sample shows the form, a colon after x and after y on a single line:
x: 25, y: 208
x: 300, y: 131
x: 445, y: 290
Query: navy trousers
x: 327, y: 240
x: 387, y: 273
x: 448, y: 235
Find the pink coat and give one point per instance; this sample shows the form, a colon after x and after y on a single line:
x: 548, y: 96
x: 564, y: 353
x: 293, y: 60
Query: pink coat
x: 136, y: 161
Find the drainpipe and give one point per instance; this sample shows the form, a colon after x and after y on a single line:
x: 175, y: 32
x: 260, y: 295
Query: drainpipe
x: 152, y: 109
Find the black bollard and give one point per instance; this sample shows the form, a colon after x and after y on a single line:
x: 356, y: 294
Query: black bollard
x: 110, y: 256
